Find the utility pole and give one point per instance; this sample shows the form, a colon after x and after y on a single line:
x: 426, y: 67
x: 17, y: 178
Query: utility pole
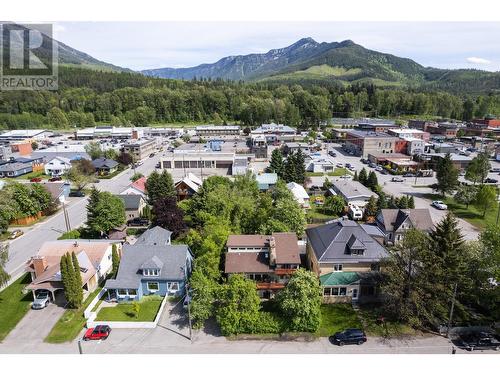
x: 189, y: 313
x: 498, y: 202
x: 451, y: 310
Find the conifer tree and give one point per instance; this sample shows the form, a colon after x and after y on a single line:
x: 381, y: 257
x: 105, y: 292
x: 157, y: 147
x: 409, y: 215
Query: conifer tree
x: 115, y: 259
x: 411, y: 202
x: 363, y: 176
x: 372, y: 181
x: 276, y: 165
x: 78, y: 291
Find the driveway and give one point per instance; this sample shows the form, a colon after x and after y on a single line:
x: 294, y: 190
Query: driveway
x: 35, y: 326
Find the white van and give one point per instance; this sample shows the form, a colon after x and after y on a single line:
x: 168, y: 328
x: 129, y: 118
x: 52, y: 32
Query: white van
x: 355, y: 213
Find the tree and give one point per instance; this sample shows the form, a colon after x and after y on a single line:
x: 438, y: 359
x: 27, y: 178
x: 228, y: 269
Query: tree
x: 136, y: 308
x: 465, y: 194
x: 79, y: 179
x: 327, y: 184
x: 486, y: 197
x: 78, y: 291
x: 160, y: 186
x: 203, y: 297
x: 411, y: 202
x: 289, y: 169
x: 478, y: 168
x: 115, y: 259
x: 382, y: 201
x: 402, y: 202
x: 276, y: 165
x: 291, y: 214
x: 355, y: 177
x: 94, y: 150
x: 4, y: 257
x: 407, y: 280
x: 136, y: 176
x: 239, y: 306
x: 110, y: 153
x: 363, y: 176
x: 490, y: 239
x: 167, y: 215
x: 371, y: 207
x: 300, y: 301
x: 372, y: 181
x: 447, y: 175
x: 104, y: 212
x: 57, y: 118
x: 334, y: 204
x: 124, y: 158
x: 300, y: 169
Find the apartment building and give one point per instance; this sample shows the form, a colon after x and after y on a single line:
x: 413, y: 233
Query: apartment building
x: 140, y: 149
x: 362, y: 143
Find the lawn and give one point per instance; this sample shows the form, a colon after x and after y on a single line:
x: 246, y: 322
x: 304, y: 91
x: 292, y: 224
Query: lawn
x: 123, y: 312
x: 370, y: 314
x: 337, y: 317
x: 338, y: 172
x: 471, y: 214
x: 71, y: 323
x: 31, y: 175
x: 14, y: 304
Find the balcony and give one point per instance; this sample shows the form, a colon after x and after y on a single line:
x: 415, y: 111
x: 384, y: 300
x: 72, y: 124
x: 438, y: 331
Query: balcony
x: 270, y: 285
x: 284, y: 271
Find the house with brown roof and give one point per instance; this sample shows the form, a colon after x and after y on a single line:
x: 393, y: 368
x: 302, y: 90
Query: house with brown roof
x: 94, y: 258
x: 270, y: 260
x: 188, y: 186
x: 396, y: 222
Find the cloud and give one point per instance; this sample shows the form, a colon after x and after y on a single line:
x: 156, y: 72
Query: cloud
x: 478, y: 60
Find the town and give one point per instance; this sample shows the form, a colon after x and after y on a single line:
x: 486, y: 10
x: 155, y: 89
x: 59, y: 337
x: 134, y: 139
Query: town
x: 377, y: 232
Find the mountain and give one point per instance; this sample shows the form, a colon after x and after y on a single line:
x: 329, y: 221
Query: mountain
x: 344, y: 62
x: 67, y: 56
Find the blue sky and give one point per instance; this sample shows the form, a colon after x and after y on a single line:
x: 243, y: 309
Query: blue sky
x: 146, y: 45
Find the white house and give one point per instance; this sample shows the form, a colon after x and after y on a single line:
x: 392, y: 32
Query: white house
x: 299, y: 193
x: 320, y: 165
x: 57, y: 166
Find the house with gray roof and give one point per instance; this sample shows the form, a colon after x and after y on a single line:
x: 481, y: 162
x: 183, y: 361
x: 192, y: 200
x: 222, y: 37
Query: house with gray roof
x: 134, y: 204
x: 346, y: 256
x: 353, y: 192
x: 14, y: 169
x: 151, y: 267
x: 396, y: 222
x: 104, y: 166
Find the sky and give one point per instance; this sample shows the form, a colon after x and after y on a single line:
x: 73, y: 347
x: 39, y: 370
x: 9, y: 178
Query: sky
x: 149, y: 45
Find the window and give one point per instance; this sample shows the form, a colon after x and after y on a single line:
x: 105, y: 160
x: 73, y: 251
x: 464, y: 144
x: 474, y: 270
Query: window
x: 151, y: 272
x: 337, y: 267
x: 122, y: 292
x: 132, y: 292
x: 173, y: 286
x: 153, y: 287
x: 342, y: 291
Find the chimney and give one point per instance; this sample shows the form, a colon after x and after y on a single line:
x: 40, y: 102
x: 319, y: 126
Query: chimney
x: 272, y: 251
x: 39, y: 264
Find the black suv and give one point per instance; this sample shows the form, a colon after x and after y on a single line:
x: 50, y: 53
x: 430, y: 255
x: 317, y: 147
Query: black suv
x: 138, y: 222
x: 349, y: 336
x: 76, y: 193
x: 479, y: 340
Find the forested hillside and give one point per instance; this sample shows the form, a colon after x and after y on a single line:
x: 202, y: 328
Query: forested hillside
x: 87, y: 97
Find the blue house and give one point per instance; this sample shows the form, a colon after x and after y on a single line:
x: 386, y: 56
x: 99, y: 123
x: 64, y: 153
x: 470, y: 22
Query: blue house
x: 151, y: 267
x: 266, y: 181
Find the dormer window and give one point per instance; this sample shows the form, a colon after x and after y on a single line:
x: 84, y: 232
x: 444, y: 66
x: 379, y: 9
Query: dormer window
x: 151, y: 272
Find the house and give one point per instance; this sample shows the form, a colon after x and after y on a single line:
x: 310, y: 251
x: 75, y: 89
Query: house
x: 134, y: 204
x: 269, y: 260
x: 188, y: 186
x: 320, y: 165
x: 94, y: 258
x: 57, y: 166
x: 291, y: 147
x: 104, y: 166
x: 137, y: 187
x: 57, y: 190
x: 151, y: 266
x: 299, y: 193
x: 346, y: 256
x: 14, y: 169
x: 395, y: 222
x: 266, y: 181
x: 353, y: 192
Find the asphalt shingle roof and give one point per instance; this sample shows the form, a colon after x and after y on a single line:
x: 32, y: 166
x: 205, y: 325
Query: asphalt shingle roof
x: 131, y: 201
x: 156, y: 236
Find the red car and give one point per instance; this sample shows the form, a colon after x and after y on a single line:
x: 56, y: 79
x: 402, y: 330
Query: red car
x: 36, y: 179
x: 97, y: 333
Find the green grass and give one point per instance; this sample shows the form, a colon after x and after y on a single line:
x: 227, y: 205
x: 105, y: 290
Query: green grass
x: 31, y: 175
x: 123, y: 312
x: 337, y: 317
x: 14, y: 304
x: 314, y: 174
x: 471, y: 214
x: 71, y: 235
x: 369, y: 315
x: 71, y: 323
x: 339, y: 172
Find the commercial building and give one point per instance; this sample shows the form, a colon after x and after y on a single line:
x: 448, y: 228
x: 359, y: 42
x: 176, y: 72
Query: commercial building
x: 110, y: 132
x: 377, y: 126
x: 70, y: 151
x: 140, y: 149
x: 362, y: 143
x: 217, y: 130
x: 407, y: 133
x: 490, y: 122
x: 200, y: 161
x: 24, y: 134
x: 395, y: 162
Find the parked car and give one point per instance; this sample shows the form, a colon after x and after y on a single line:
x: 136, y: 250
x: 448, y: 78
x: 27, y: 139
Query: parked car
x: 397, y: 179
x: 409, y: 175
x: 54, y: 179
x: 138, y: 222
x: 346, y: 176
x: 151, y: 155
x: 378, y: 168
x: 16, y: 233
x: 372, y: 165
x: 351, y: 168
x: 348, y: 165
x: 439, y: 205
x: 35, y: 179
x: 100, y: 332
x: 41, y: 301
x: 349, y: 336
x: 494, y: 170
x: 332, y: 154
x: 76, y: 193
x: 158, y: 165
x: 479, y: 340
x: 490, y: 181
x: 364, y: 161
x: 384, y: 171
